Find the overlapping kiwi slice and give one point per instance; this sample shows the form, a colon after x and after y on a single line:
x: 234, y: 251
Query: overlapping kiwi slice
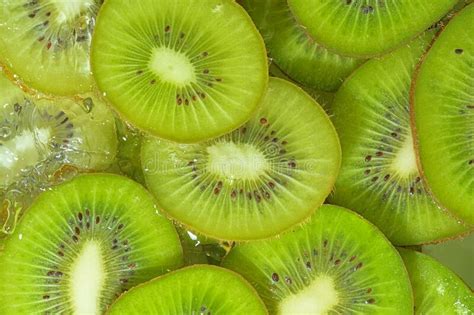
x: 46, y: 43
x: 379, y: 175
x: 83, y: 243
x: 337, y: 263
x: 200, y: 289
x: 41, y: 140
x: 443, y: 116
x: 366, y: 28
x: 437, y: 290
x: 294, y: 50
x: 182, y: 70
x: 256, y: 181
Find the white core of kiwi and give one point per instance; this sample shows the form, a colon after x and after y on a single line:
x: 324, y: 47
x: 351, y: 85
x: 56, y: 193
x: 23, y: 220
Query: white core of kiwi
x: 404, y: 163
x: 87, y: 279
x: 172, y: 66
x: 316, y: 299
x: 68, y: 10
x: 236, y: 161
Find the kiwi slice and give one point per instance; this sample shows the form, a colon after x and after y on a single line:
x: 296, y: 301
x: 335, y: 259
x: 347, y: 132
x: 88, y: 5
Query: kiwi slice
x: 337, y: 263
x: 47, y: 42
x: 365, y: 28
x: 256, y: 181
x: 182, y: 70
x: 199, y: 289
x: 294, y: 50
x: 379, y: 175
x: 83, y: 243
x: 443, y: 116
x: 41, y: 140
x: 437, y: 289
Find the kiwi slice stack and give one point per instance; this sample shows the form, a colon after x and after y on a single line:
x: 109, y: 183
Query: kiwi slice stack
x: 257, y: 181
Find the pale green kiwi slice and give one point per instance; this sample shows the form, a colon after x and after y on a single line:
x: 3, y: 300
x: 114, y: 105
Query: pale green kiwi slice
x: 46, y: 43
x: 83, y: 243
x: 41, y: 139
x: 437, y: 289
x: 256, y: 181
x: 200, y: 289
x: 366, y: 28
x: 182, y: 70
x: 379, y: 175
x: 337, y: 263
x: 295, y: 51
x: 443, y: 116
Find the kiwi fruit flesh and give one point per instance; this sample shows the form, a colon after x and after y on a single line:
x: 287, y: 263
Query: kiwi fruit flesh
x: 83, y: 243
x: 200, y: 289
x: 437, y: 290
x: 256, y: 181
x: 293, y: 49
x: 443, y: 116
x: 337, y: 263
x: 42, y: 139
x: 46, y: 43
x: 379, y: 176
x: 182, y: 70
x: 365, y: 28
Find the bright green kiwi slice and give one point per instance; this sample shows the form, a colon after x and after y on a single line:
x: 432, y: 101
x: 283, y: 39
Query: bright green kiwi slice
x: 379, y: 175
x: 437, y: 289
x: 294, y: 51
x: 41, y: 139
x: 200, y: 289
x: 337, y: 263
x: 443, y: 116
x: 47, y: 43
x: 367, y: 27
x: 256, y: 181
x: 182, y: 70
x: 83, y: 243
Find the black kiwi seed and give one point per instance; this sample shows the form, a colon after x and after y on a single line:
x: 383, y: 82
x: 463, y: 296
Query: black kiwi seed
x: 459, y: 51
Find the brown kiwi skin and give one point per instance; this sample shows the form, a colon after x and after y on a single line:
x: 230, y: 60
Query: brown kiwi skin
x: 416, y: 143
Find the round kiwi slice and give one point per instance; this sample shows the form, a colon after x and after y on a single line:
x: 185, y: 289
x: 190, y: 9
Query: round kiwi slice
x: 379, y: 175
x: 365, y: 28
x: 200, y: 289
x: 337, y: 263
x: 83, y: 243
x: 256, y: 181
x: 182, y: 70
x: 437, y: 289
x: 293, y: 49
x: 47, y: 42
x: 443, y: 116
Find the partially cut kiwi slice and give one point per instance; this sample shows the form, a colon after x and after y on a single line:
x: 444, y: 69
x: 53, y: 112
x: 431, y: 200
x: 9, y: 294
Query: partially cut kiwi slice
x: 256, y: 181
x: 337, y: 263
x: 83, y: 243
x: 379, y: 175
x: 200, y: 289
x: 443, y: 116
x: 294, y: 50
x: 367, y: 28
x: 182, y: 70
x: 47, y: 42
x: 437, y: 289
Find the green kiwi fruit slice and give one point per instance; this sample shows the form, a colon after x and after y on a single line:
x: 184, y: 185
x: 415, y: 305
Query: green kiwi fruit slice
x: 337, y: 263
x: 182, y: 70
x: 379, y: 175
x: 83, y: 243
x: 294, y: 51
x: 199, y: 289
x: 46, y: 43
x: 256, y: 181
x: 365, y: 28
x: 437, y: 289
x: 41, y: 139
x: 443, y: 116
